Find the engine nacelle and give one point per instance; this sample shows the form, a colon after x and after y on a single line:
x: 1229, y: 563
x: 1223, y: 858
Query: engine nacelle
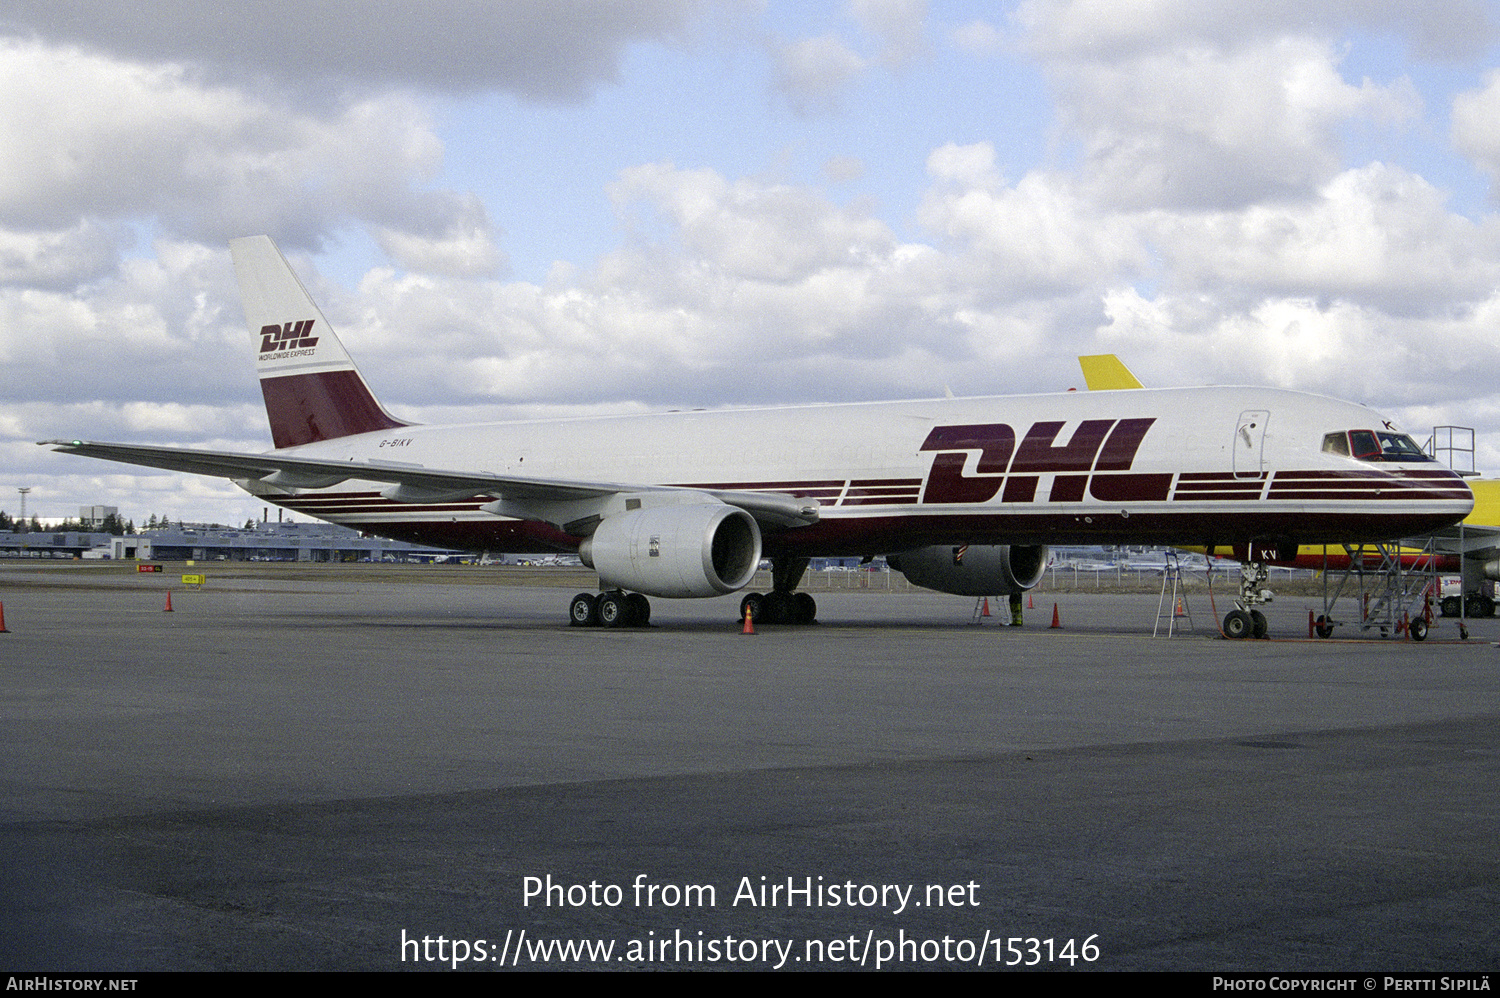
x: 973, y: 570
x: 697, y: 549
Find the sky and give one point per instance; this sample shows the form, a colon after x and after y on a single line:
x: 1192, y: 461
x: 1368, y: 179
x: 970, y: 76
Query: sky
x: 562, y: 207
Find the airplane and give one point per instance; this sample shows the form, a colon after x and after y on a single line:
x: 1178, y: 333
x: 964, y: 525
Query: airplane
x: 962, y: 495
x: 1474, y: 552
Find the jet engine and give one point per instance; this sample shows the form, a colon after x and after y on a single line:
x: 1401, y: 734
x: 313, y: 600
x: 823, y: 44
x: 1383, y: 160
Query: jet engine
x: 973, y: 569
x: 701, y: 549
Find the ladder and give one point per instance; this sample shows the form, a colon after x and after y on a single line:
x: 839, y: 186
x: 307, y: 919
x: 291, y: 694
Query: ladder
x: 1174, y: 608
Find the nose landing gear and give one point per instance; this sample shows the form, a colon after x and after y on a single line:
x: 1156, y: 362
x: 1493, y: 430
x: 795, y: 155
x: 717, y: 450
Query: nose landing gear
x: 1244, y: 621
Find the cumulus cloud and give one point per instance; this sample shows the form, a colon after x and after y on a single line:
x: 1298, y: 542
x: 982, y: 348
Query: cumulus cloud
x: 1106, y: 30
x: 60, y: 259
x: 899, y: 24
x: 545, y: 50
x: 814, y: 73
x: 740, y: 291
x: 1038, y: 237
x: 1343, y: 348
x: 1195, y: 209
x: 1201, y: 128
x: 1378, y: 234
x: 150, y: 323
x: 88, y: 141
x: 458, y: 241
x: 761, y: 231
x: 1475, y: 113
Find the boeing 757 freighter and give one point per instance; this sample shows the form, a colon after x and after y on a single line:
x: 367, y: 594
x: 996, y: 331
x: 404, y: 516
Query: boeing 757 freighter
x: 962, y: 495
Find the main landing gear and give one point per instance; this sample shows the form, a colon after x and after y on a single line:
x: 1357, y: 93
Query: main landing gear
x: 782, y: 605
x: 1244, y: 621
x: 612, y: 609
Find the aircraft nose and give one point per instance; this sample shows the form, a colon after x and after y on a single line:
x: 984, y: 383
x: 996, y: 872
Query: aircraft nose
x: 1444, y: 486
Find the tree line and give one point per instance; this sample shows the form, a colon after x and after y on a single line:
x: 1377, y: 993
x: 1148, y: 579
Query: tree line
x: 111, y: 524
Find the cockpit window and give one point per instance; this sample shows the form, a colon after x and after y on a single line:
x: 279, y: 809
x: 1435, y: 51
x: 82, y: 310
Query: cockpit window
x: 1373, y: 445
x: 1336, y: 443
x: 1400, y: 447
x: 1363, y: 445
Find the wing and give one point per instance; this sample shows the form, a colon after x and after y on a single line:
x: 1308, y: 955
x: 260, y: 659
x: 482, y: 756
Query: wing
x: 556, y: 501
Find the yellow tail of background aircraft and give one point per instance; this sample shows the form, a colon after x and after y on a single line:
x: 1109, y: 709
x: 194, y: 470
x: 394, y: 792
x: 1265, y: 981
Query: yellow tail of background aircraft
x: 1103, y: 372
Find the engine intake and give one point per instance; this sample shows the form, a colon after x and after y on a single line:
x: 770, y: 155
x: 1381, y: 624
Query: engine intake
x: 702, y: 549
x: 974, y: 569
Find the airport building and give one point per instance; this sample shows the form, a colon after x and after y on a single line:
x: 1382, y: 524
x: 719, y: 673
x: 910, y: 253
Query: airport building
x: 282, y: 541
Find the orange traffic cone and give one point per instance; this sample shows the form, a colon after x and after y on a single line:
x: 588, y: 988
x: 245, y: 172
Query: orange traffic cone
x: 985, y: 612
x: 749, y: 627
x: 1030, y: 604
x: 3, y: 628
x: 1055, y: 622
x: 168, y: 608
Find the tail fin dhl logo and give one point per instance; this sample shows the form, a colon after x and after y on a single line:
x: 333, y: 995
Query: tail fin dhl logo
x: 289, y: 336
x: 1097, y: 445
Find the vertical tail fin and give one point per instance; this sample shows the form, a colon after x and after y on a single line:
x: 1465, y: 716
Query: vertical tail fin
x: 312, y: 389
x: 1106, y: 372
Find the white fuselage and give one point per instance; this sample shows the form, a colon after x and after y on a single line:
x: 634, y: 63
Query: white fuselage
x: 1188, y: 466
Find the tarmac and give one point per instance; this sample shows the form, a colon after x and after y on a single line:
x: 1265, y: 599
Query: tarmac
x: 353, y: 768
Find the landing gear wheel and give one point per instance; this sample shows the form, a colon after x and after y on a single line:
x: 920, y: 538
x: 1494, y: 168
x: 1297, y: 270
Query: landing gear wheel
x: 584, y: 610
x: 640, y: 610
x: 755, y: 603
x: 614, y: 610
x: 1418, y: 629
x: 1258, y: 626
x: 1452, y: 606
x: 778, y: 608
x: 804, y: 608
x: 1323, y: 629
x: 1237, y: 624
